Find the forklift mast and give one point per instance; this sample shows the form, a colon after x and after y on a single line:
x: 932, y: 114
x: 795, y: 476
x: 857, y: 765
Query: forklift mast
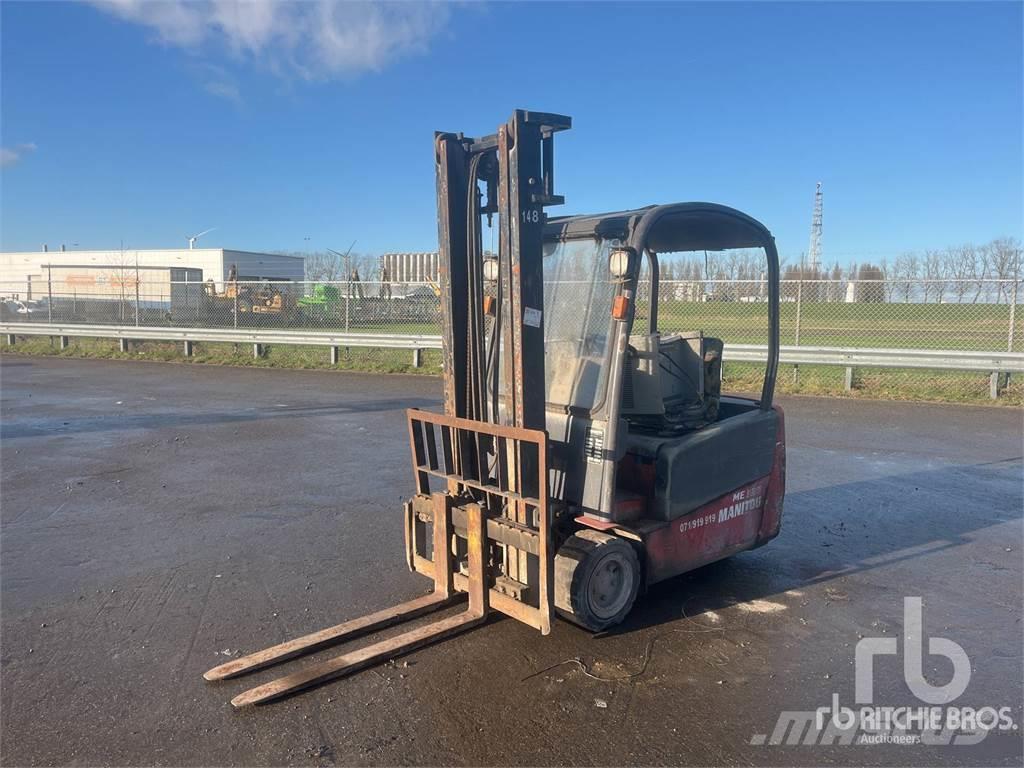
x: 516, y: 168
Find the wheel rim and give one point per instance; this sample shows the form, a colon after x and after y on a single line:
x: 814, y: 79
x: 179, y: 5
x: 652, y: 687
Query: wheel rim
x: 610, y: 585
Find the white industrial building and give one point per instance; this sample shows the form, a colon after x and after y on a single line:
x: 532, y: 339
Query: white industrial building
x: 20, y: 270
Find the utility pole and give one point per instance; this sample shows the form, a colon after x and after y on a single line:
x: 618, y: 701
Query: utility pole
x: 814, y: 252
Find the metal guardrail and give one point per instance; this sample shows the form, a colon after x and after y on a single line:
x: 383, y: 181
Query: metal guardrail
x: 259, y: 338
x: 950, y: 359
x: 994, y: 363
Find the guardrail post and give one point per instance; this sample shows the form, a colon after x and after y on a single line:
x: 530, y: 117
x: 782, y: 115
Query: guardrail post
x: 10, y: 339
x: 65, y: 342
x: 124, y: 345
x: 993, y: 385
x: 188, y: 348
x: 257, y: 350
x: 335, y: 355
x: 417, y: 358
x: 848, y: 379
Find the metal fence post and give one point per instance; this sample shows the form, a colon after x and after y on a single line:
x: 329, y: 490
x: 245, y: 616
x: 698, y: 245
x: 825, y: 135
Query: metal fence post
x: 1009, y: 337
x: 796, y: 332
x: 1013, y: 312
x: 348, y: 298
x: 49, y: 294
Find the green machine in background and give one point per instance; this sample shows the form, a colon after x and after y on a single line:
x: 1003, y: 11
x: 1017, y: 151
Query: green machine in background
x: 324, y: 301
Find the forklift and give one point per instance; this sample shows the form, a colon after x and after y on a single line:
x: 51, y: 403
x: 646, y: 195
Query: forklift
x: 579, y: 459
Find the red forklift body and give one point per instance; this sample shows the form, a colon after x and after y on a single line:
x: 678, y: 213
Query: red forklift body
x: 744, y: 518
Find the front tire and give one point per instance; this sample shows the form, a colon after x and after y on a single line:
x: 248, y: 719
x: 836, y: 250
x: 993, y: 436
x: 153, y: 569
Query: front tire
x: 597, y: 578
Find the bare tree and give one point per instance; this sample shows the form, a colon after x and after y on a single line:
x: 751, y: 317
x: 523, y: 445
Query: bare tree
x: 960, y: 264
x: 743, y: 267
x: 324, y: 266
x: 906, y: 271
x: 369, y: 266
x: 792, y: 283
x: 696, y: 278
x: 1003, y: 262
x: 712, y: 265
x: 123, y: 277
x: 888, y: 286
x: 872, y: 284
x: 731, y: 264
x: 835, y: 286
x: 934, y: 275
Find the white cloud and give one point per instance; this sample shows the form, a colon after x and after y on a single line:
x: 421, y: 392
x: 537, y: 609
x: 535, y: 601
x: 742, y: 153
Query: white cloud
x: 10, y: 155
x: 314, y: 38
x: 218, y: 81
x: 224, y: 89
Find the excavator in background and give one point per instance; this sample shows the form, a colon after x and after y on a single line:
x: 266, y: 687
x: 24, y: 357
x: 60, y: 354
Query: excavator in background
x: 583, y: 454
x: 260, y: 297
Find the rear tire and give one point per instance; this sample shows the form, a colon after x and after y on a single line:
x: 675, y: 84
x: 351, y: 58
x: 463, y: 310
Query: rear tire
x: 597, y: 577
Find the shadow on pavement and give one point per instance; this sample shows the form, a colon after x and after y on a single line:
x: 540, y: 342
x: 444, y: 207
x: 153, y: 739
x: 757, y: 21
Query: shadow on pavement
x: 840, y: 530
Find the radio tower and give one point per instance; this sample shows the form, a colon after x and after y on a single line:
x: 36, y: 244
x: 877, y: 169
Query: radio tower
x: 814, y: 253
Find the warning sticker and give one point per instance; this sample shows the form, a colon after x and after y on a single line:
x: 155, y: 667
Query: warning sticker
x: 532, y: 317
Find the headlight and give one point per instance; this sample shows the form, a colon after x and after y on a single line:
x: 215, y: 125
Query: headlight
x: 618, y: 262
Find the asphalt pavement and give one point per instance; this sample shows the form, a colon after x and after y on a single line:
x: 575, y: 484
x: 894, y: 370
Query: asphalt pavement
x: 159, y: 519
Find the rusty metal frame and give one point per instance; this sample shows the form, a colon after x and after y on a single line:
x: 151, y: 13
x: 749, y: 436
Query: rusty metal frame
x: 497, y: 488
x: 465, y: 444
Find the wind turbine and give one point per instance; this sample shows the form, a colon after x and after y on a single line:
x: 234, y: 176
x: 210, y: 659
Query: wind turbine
x: 192, y: 240
x: 348, y: 270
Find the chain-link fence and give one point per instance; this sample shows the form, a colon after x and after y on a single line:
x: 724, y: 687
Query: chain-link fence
x: 975, y: 314
x: 962, y: 315
x: 356, y: 306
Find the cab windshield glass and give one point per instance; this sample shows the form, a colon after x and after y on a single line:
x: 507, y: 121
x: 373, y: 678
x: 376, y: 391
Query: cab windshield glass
x: 578, y: 297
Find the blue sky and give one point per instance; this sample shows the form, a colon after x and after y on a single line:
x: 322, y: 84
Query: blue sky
x: 149, y: 121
